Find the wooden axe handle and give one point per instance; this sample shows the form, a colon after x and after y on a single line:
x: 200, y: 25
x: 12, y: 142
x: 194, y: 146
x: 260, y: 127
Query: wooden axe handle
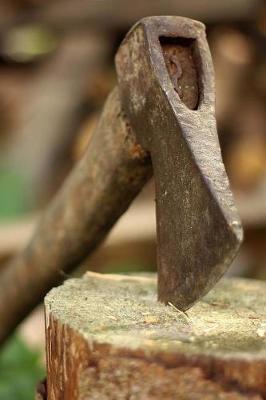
x: 100, y: 188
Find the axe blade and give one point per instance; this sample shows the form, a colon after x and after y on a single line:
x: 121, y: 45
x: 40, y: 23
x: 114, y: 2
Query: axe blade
x: 166, y: 84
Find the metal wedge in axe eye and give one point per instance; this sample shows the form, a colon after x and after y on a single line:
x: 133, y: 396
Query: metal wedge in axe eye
x: 160, y: 116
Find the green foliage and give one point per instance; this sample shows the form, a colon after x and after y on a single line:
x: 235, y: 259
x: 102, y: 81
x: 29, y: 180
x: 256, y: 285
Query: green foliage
x: 13, y: 193
x: 26, y: 43
x: 20, y: 371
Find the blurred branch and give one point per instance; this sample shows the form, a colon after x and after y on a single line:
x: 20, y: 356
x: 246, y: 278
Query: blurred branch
x: 53, y: 113
x: 137, y: 224
x: 233, y: 54
x: 117, y: 14
x: 252, y: 206
x: 15, y: 235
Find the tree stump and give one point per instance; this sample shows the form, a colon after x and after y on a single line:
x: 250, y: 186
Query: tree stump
x: 107, y: 337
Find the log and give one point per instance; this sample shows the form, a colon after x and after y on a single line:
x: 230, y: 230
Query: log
x: 107, y: 337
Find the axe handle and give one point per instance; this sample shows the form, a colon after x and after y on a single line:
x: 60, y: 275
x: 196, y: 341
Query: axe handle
x: 97, y: 192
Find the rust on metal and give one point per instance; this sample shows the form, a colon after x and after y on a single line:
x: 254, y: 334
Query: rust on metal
x: 166, y: 85
x: 180, y: 62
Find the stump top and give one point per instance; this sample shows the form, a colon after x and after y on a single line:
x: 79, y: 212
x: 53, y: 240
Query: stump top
x: 123, y: 311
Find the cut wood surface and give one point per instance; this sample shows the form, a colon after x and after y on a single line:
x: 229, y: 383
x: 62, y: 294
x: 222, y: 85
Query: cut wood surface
x: 107, y: 337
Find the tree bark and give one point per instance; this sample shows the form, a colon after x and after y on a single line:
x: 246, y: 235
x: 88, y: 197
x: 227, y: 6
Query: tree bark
x: 107, y: 337
x: 97, y: 192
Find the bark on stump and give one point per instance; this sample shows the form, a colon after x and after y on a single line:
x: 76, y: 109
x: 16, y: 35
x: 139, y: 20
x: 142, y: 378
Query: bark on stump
x: 107, y: 337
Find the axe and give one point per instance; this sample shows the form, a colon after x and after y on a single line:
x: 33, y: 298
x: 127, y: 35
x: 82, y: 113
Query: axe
x: 159, y: 119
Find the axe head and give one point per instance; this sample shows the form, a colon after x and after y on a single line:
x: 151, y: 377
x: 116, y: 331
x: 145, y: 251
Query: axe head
x: 166, y: 85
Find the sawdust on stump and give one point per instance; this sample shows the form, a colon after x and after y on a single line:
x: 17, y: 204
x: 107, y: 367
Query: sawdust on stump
x: 107, y: 337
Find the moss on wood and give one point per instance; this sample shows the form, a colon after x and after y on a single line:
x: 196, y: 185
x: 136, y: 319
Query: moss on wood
x: 231, y: 319
x: 110, y: 317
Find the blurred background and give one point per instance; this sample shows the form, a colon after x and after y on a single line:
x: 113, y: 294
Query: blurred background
x: 56, y: 69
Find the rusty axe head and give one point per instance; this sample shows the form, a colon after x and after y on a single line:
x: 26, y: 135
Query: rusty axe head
x: 166, y: 85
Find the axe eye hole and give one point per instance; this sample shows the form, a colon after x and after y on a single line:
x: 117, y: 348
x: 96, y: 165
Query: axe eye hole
x: 181, y: 65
